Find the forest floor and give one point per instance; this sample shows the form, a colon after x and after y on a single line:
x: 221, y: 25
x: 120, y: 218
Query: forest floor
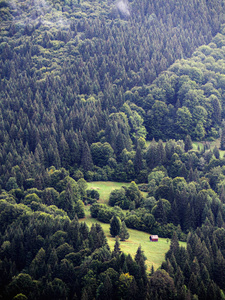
x: 154, y: 251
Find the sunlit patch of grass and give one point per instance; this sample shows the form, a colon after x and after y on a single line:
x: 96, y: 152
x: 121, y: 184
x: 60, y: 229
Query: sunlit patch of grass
x: 105, y: 188
x: 154, y: 251
x: 211, y: 144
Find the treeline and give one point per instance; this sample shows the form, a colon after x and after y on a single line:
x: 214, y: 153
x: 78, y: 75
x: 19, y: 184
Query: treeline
x: 61, y: 193
x: 183, y: 193
x: 185, y: 187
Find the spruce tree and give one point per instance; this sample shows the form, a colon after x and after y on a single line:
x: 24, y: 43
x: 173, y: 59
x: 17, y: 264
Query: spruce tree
x: 222, y: 194
x: 138, y: 163
x: 216, y: 113
x: 124, y: 234
x: 174, y: 246
x: 188, y: 143
x: 86, y: 160
x: 222, y: 141
x: 152, y: 155
x: 216, y: 152
x: 115, y: 225
x: 202, y: 291
x: 139, y: 256
x: 117, y: 249
x: 161, y: 152
x: 159, y: 212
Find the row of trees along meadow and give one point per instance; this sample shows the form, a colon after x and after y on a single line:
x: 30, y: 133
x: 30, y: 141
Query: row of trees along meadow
x: 187, y: 198
x: 185, y: 189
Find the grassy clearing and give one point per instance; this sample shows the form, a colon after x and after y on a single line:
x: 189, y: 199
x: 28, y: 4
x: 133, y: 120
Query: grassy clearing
x: 154, y: 251
x: 212, y: 145
x: 105, y: 188
x: 201, y: 145
x: 197, y: 145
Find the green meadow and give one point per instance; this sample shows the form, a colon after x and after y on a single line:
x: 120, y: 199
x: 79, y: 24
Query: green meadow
x: 106, y: 187
x: 154, y: 251
x: 212, y: 144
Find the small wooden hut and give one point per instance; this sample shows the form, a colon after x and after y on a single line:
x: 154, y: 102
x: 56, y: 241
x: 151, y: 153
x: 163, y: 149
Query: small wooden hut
x: 154, y: 238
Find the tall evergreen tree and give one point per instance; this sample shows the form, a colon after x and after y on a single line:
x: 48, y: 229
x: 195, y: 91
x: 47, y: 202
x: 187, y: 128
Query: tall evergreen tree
x: 188, y: 143
x: 115, y: 226
x: 159, y: 212
x: 138, y: 163
x: 216, y: 152
x: 222, y: 139
x: 124, y: 234
x: 116, y: 250
x: 174, y: 246
x: 216, y: 115
x: 161, y: 152
x: 86, y: 159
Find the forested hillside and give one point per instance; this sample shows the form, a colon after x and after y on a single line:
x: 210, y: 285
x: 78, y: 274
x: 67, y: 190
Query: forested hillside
x: 111, y: 90
x: 68, y: 67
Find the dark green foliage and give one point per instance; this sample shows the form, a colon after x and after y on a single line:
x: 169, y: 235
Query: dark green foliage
x: 174, y: 246
x: 118, y: 197
x: 104, y: 213
x: 105, y: 289
x: 125, y: 196
x: 101, y: 153
x: 138, y: 160
x: 81, y: 88
x: 162, y: 285
x: 193, y: 272
x: 11, y: 184
x: 78, y: 88
x: 222, y: 141
x: 115, y: 226
x: 188, y: 143
x: 134, y: 194
x: 216, y: 115
x: 79, y: 209
x: 49, y: 243
x: 92, y: 196
x: 117, y: 249
x: 86, y: 159
x: 161, y: 210
x: 124, y: 234
x: 216, y: 152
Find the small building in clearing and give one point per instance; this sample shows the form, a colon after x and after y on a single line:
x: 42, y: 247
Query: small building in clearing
x: 154, y: 238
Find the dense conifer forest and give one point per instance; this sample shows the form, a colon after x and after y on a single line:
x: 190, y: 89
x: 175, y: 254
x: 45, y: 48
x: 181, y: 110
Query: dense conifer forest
x: 111, y: 91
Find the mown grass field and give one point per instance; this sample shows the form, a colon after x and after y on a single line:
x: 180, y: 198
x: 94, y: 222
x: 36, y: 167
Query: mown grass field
x: 154, y: 251
x: 105, y: 188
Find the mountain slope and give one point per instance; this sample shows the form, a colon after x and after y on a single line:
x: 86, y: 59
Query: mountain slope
x: 66, y: 66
